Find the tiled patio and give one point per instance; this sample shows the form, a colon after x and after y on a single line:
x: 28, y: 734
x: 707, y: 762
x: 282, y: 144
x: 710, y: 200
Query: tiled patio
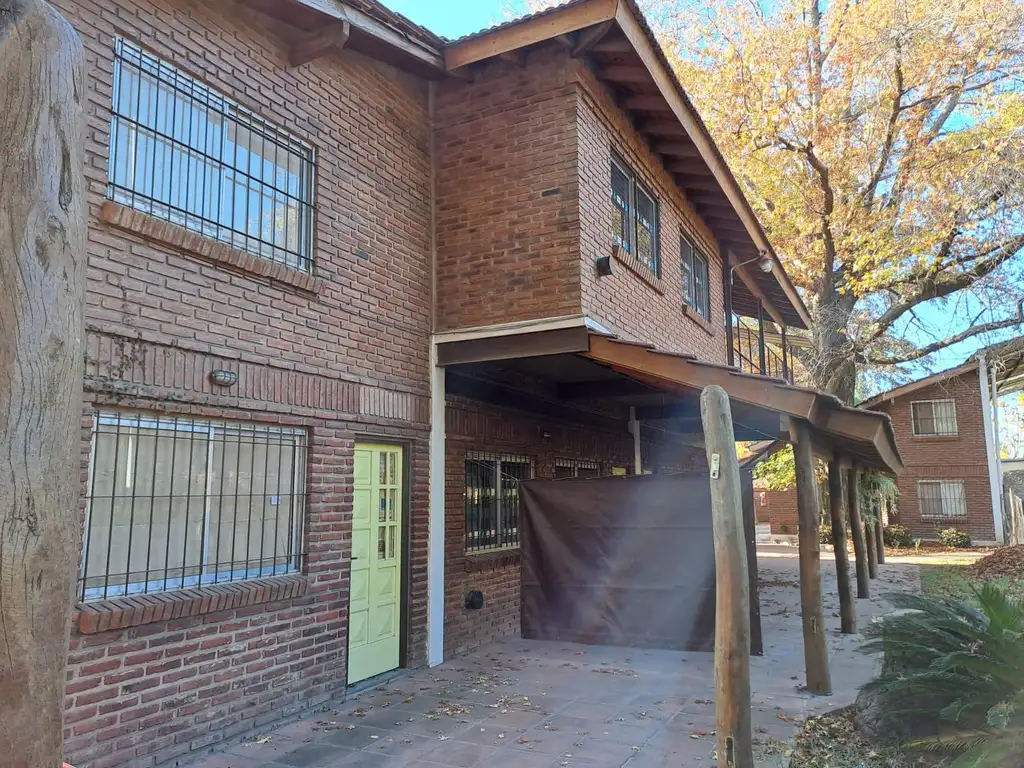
x: 529, y: 704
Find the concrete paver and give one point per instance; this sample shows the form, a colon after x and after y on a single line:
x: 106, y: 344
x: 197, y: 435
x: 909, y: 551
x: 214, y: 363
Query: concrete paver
x: 533, y: 704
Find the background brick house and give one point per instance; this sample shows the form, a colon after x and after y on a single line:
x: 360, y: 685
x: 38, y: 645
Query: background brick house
x: 296, y: 210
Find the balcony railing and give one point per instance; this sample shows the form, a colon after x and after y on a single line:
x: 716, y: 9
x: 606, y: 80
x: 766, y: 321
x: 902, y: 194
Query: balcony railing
x: 752, y: 354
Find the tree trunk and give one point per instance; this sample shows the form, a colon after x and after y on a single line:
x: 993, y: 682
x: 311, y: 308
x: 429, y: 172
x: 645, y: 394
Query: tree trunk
x: 860, y: 549
x: 42, y: 267
x: 879, y: 538
x: 732, y: 596
x: 836, y: 499
x: 809, y: 514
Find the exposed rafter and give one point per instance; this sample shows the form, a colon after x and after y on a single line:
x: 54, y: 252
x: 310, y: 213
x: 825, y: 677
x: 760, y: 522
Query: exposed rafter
x: 314, y: 45
x: 647, y: 102
x: 622, y: 73
x: 588, y: 38
x: 677, y: 149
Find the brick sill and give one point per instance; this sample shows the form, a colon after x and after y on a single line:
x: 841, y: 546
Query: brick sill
x: 497, y: 559
x: 638, y: 269
x: 936, y: 438
x: 207, y: 248
x: 120, y: 612
x: 705, y: 325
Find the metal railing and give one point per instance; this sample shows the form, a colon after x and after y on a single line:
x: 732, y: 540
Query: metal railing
x: 752, y: 354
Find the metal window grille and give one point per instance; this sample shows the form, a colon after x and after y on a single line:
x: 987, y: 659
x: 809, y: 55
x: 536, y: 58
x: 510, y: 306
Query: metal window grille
x: 693, y: 268
x: 184, y: 153
x: 492, y: 500
x: 942, y: 498
x: 934, y: 417
x: 566, y: 468
x: 177, y: 502
x: 635, y: 216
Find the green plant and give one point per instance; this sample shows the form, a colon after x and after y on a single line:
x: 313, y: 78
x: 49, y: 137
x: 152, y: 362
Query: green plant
x: 953, y: 675
x: 954, y: 538
x: 825, y: 533
x: 917, y: 545
x: 896, y: 536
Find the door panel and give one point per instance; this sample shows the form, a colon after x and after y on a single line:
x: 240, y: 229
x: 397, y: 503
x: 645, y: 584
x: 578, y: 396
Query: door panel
x: 376, y: 580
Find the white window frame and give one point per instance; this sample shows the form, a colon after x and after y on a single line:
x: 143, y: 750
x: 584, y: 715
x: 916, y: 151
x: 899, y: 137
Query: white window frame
x: 913, y: 419
x: 942, y: 483
x: 209, y: 574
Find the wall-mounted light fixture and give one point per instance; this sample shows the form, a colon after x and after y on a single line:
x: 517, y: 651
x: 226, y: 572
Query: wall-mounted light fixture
x: 224, y: 378
x: 764, y: 260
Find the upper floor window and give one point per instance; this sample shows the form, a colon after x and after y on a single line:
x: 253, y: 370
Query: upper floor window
x: 635, y: 216
x: 184, y: 153
x: 694, y: 274
x: 176, y: 502
x: 566, y: 468
x: 492, y: 500
x: 933, y: 417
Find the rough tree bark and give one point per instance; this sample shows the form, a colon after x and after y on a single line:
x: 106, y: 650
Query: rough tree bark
x: 860, y: 549
x: 836, y: 505
x: 42, y: 267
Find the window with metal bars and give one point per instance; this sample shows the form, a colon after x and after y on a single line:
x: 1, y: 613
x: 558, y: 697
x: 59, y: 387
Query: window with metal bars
x: 942, y: 498
x: 182, y: 152
x: 177, y: 502
x: 693, y: 268
x: 635, y: 216
x: 492, y: 500
x: 566, y: 468
x: 933, y: 417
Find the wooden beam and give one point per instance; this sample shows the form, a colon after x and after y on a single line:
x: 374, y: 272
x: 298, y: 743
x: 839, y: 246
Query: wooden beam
x: 662, y: 128
x: 517, y: 58
x: 649, y: 103
x: 622, y: 73
x: 869, y: 540
x: 689, y: 168
x: 837, y: 514
x: 529, y: 31
x: 566, y: 41
x: 732, y: 585
x: 755, y: 289
x: 809, y: 513
x: 879, y: 538
x: 316, y: 44
x: 857, y: 530
x: 613, y: 44
x: 588, y: 38
x: 676, y: 149
x: 703, y: 183
x: 605, y: 389
x: 535, y: 344
x: 685, y: 409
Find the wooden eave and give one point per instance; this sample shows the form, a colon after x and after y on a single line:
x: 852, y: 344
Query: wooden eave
x: 623, y: 53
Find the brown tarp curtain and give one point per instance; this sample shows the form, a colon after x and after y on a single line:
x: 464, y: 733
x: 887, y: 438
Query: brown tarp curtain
x: 625, y: 561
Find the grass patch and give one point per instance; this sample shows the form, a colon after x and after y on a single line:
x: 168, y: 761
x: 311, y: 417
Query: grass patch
x: 956, y: 582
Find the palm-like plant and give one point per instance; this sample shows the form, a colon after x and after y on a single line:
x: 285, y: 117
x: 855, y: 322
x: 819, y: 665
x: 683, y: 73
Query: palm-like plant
x: 956, y: 670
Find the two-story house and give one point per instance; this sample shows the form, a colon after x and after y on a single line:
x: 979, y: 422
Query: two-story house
x: 947, y: 425
x: 348, y: 285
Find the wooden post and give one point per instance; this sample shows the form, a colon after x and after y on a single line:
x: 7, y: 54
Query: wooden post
x: 869, y: 538
x: 808, y: 514
x: 879, y: 537
x: 42, y: 269
x: 732, y: 595
x: 860, y: 549
x: 836, y: 504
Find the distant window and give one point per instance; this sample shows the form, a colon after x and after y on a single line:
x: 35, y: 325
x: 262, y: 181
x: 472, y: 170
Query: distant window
x: 942, y: 498
x: 694, y: 275
x: 934, y: 417
x: 492, y: 500
x: 635, y: 216
x: 565, y: 468
x: 183, y: 152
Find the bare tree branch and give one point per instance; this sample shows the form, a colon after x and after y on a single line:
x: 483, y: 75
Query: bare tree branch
x: 890, y: 134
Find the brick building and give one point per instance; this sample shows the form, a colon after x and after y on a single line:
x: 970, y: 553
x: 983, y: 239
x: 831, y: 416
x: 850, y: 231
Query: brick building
x: 949, y: 438
x: 348, y: 285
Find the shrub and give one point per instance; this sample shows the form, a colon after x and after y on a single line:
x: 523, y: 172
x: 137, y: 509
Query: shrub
x: 896, y: 536
x: 825, y: 533
x: 954, y: 538
x: 952, y: 675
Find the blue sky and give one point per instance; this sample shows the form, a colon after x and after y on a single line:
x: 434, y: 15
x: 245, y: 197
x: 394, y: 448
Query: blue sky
x: 455, y: 18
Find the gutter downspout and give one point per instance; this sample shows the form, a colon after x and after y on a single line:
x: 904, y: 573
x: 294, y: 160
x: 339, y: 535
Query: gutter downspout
x: 993, y: 459
x: 436, y: 518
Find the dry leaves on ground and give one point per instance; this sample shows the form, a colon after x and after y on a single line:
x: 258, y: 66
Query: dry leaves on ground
x: 1008, y: 561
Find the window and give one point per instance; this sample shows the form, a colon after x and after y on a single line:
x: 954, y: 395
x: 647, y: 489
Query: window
x: 177, y: 502
x: 694, y: 274
x: 942, y: 498
x: 181, y: 152
x: 565, y: 468
x: 934, y: 417
x: 635, y: 216
x: 492, y: 500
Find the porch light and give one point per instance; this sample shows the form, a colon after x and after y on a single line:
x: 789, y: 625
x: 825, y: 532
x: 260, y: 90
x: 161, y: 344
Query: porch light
x: 765, y: 261
x: 224, y: 378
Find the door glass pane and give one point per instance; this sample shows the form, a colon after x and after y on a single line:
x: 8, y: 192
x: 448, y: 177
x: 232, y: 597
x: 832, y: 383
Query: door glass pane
x: 382, y: 513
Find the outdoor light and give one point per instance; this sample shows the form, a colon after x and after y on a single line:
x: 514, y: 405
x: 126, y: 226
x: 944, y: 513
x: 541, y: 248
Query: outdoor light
x: 765, y: 261
x: 224, y: 378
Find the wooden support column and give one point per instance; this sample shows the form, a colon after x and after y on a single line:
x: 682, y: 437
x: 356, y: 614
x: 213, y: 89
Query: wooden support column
x: 860, y: 550
x: 879, y: 538
x: 836, y: 508
x: 808, y: 514
x: 732, y: 586
x: 869, y: 539
x: 42, y: 278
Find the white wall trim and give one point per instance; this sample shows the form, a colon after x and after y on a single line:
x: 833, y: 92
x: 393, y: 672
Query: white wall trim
x: 993, y: 458
x: 435, y: 535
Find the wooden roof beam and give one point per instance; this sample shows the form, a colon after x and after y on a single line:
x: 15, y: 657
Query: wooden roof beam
x: 590, y: 37
x: 676, y: 149
x: 314, y: 45
x: 623, y: 73
x: 670, y: 128
x: 612, y: 44
x: 755, y: 289
x: 649, y: 103
x: 529, y: 31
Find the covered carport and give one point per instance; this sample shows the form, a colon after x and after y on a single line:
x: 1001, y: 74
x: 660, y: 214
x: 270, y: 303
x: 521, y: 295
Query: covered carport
x: 572, y: 365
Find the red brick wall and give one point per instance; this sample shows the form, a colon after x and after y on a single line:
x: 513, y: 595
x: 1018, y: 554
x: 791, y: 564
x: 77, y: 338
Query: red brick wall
x: 630, y: 301
x: 777, y: 508
x: 472, y: 426
x: 961, y: 457
x: 507, y: 215
x: 344, y: 356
